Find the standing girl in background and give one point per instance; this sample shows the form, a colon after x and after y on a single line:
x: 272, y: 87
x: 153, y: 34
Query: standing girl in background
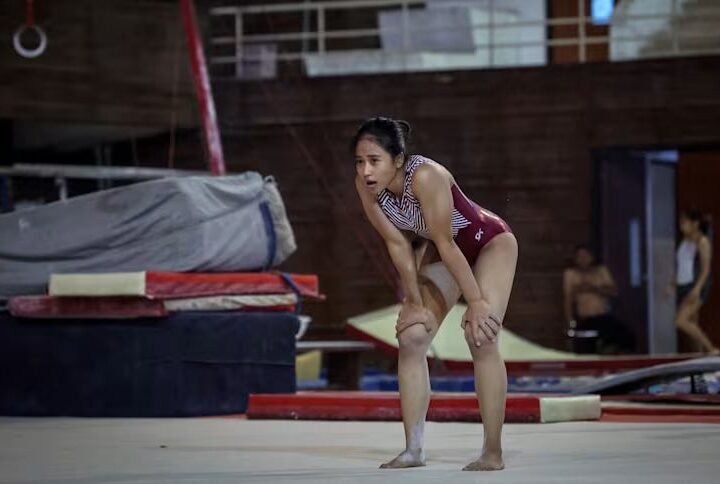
x: 692, y: 277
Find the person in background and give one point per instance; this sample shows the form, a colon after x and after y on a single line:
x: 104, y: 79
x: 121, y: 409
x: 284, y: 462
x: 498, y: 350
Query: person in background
x: 692, y: 277
x: 587, y: 289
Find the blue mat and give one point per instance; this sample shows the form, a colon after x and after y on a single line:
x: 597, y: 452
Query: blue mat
x: 458, y: 383
x: 189, y: 364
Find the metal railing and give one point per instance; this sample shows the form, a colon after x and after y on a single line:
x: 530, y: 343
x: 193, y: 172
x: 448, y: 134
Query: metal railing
x: 241, y: 42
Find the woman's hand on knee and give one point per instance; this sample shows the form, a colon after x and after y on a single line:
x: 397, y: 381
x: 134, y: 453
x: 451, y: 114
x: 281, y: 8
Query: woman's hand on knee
x: 479, y: 324
x: 412, y: 314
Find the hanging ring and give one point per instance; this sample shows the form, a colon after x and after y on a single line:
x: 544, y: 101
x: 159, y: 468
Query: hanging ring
x: 20, y: 48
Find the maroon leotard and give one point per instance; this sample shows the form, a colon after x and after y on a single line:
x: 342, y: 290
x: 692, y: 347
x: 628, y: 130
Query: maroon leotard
x: 472, y: 226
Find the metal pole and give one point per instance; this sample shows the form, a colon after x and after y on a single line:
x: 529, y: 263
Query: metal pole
x: 306, y: 26
x: 581, y: 31
x: 491, y: 34
x: 321, y: 29
x: 673, y: 34
x: 202, y: 88
x: 405, y: 31
x: 238, y: 45
x: 61, y: 184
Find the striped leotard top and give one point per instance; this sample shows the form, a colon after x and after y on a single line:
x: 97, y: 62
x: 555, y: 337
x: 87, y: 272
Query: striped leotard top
x: 472, y: 225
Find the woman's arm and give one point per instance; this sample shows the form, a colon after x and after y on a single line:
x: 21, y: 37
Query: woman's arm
x: 403, y: 259
x: 398, y: 246
x: 432, y: 189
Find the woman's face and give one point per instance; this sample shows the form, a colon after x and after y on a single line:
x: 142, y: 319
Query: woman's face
x: 687, y: 226
x: 374, y: 165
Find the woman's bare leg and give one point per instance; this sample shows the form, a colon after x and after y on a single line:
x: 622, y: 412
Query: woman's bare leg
x: 495, y: 272
x: 414, y: 380
x: 687, y: 321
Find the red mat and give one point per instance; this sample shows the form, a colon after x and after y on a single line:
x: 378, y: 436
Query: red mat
x: 444, y: 407
x: 685, y: 399
x: 175, y: 286
x: 163, y: 285
x: 109, y: 307
x: 463, y: 407
x: 704, y: 419
x: 663, y: 406
x: 600, y: 366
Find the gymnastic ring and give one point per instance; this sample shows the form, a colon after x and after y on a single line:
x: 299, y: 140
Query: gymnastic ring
x: 29, y: 53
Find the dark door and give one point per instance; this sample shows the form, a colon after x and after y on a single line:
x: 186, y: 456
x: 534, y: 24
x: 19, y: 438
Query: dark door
x: 622, y: 234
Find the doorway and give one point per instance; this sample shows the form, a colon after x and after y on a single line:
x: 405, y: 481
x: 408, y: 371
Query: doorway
x: 635, y: 235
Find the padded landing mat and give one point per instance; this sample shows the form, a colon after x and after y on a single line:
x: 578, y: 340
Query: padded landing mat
x: 687, y: 408
x: 129, y: 307
x: 167, y: 285
x: 444, y: 407
x: 521, y: 356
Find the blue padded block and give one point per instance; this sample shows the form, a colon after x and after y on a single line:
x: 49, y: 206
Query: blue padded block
x: 188, y: 364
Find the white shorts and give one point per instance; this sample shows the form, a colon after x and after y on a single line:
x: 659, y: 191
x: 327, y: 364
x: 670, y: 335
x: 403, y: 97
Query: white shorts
x: 440, y: 276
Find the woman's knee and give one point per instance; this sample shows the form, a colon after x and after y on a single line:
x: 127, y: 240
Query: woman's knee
x: 485, y: 350
x: 683, y: 316
x: 415, y: 338
x: 684, y: 320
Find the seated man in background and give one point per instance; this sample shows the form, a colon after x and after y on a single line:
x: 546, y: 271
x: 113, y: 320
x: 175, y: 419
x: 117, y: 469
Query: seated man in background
x: 587, y: 288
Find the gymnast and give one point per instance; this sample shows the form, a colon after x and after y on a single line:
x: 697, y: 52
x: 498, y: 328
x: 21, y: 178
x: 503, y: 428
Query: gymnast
x: 443, y: 245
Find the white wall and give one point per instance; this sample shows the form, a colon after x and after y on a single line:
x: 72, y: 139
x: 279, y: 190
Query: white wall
x: 446, y: 35
x: 635, y: 38
x: 523, y: 11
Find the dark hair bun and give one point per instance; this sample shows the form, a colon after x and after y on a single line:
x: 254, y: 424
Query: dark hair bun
x: 406, y: 129
x: 391, y: 134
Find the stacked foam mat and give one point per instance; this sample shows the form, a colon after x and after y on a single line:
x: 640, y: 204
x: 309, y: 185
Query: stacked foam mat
x: 156, y: 294
x: 194, y: 224
x: 90, y: 331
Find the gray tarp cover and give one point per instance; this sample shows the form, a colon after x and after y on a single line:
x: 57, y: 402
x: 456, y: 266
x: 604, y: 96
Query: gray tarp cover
x: 193, y: 224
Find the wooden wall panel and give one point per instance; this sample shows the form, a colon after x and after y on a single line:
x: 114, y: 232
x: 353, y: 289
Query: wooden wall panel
x: 571, y: 54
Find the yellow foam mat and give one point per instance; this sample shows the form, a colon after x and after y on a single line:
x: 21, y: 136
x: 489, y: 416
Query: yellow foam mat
x: 449, y: 343
x: 567, y: 408
x: 308, y: 365
x: 107, y: 284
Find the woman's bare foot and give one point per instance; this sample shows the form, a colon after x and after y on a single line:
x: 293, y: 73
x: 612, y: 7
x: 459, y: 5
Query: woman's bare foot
x: 489, y: 461
x: 714, y: 352
x: 408, y: 458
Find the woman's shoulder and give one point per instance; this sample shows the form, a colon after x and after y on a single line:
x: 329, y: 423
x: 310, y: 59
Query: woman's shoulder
x: 425, y: 169
x: 704, y: 242
x: 418, y: 159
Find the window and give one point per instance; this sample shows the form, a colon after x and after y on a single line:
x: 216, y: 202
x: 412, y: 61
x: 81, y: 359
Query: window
x: 601, y: 11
